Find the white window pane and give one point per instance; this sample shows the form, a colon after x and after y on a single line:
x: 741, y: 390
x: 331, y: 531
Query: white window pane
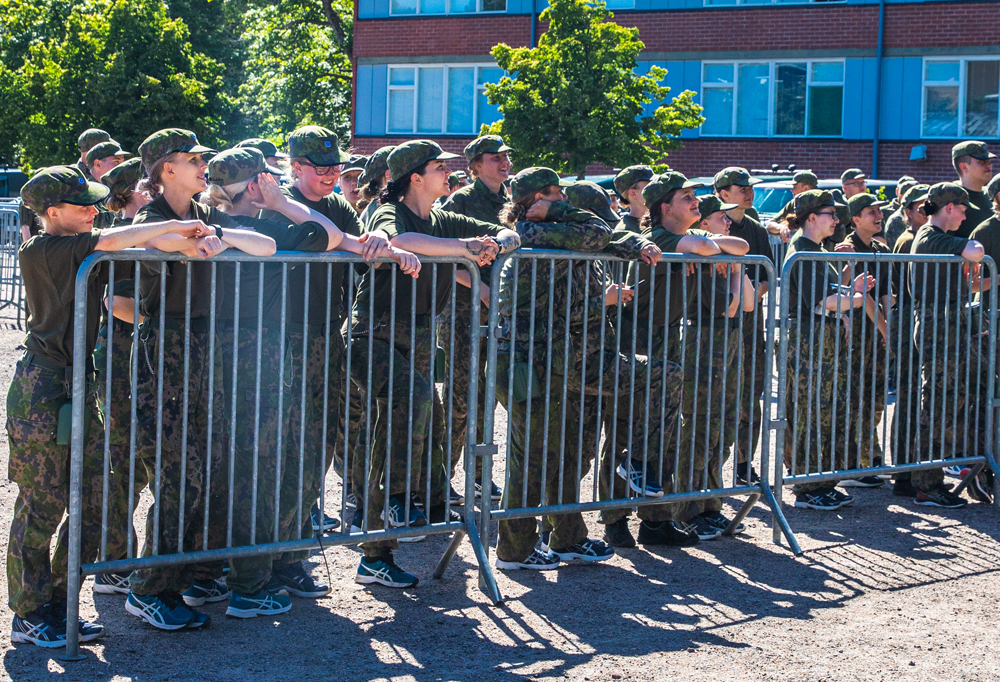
x: 400, y: 76
x: 718, y: 103
x: 462, y: 6
x: 751, y: 109
x: 432, y: 6
x: 718, y: 73
x: 404, y: 6
x: 488, y: 113
x: 400, y: 111
x: 828, y: 72
x: 982, y: 82
x: 489, y: 75
x: 430, y: 91
x: 941, y: 110
x: 942, y: 71
x: 461, y: 90
x: 790, y: 99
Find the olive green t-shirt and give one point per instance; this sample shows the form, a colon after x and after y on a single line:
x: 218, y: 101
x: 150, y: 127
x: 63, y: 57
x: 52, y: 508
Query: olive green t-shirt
x: 987, y: 233
x: 980, y: 209
x: 629, y: 223
x: 809, y: 282
x: 900, y: 270
x: 939, y: 284
x: 479, y: 202
x: 750, y: 230
x: 882, y: 272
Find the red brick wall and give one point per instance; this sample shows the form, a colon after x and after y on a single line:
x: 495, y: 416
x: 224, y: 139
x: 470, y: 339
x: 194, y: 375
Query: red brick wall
x: 439, y: 36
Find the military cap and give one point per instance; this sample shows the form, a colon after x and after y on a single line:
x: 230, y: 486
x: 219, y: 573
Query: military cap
x: 89, y: 137
x: 944, y: 193
x: 973, y: 148
x: 457, y: 177
x: 860, y: 202
x: 913, y: 194
x: 905, y: 178
x: 734, y: 175
x: 355, y: 163
x: 266, y: 147
x: 534, y: 179
x: 661, y: 185
x: 592, y: 197
x: 709, y: 204
x: 904, y: 184
x: 807, y: 177
x: 852, y: 174
x: 318, y: 145
x: 993, y: 187
x: 58, y: 185
x: 103, y: 150
x: 167, y: 141
x: 627, y: 178
x: 238, y: 165
x: 377, y: 165
x: 125, y: 174
x: 811, y: 201
x: 843, y: 215
x: 411, y: 155
x: 487, y: 144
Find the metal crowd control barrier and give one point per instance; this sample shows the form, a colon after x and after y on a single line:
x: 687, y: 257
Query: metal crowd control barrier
x: 778, y: 251
x: 11, y: 287
x: 252, y: 438
x: 563, y: 373
x: 937, y: 341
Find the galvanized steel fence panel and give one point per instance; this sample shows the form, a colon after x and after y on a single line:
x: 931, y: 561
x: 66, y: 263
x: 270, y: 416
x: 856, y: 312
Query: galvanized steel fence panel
x: 11, y: 286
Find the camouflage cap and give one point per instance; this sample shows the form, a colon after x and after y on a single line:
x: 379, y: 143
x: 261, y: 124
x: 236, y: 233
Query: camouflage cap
x: 355, y: 163
x: 852, y: 174
x: 944, y: 193
x: 905, y: 178
x: 238, y: 165
x: 378, y: 164
x: 318, y: 145
x: 103, y: 150
x: 993, y: 187
x: 661, y: 185
x: 534, y: 179
x: 487, y: 144
x: 973, y: 148
x: 89, y: 137
x: 266, y: 147
x: 164, y: 142
x: 627, y: 178
x: 904, y: 184
x: 125, y: 175
x: 456, y: 178
x: 734, y: 175
x: 844, y: 215
x: 860, y: 202
x: 592, y: 197
x: 58, y: 185
x: 807, y: 177
x: 411, y: 155
x: 914, y: 194
x: 811, y: 201
x: 710, y: 203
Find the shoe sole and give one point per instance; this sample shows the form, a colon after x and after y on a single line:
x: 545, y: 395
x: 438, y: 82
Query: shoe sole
x: 709, y: 538
x: 109, y: 589
x: 253, y: 613
x: 136, y: 611
x: 932, y: 503
x: 739, y: 529
x: 20, y: 638
x: 808, y: 505
x: 91, y: 638
x: 851, y: 483
x: 517, y: 566
x: 201, y: 601
x: 372, y: 580
x: 302, y: 594
x: 570, y: 556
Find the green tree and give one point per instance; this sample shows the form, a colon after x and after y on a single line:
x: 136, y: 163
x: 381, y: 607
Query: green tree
x: 576, y: 99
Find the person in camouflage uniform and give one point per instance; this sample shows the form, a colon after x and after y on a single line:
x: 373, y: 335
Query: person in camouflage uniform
x: 272, y: 155
x: 894, y: 220
x: 371, y: 183
x: 629, y: 184
x: 40, y: 389
x: 802, y: 181
x: 973, y: 162
x: 103, y: 157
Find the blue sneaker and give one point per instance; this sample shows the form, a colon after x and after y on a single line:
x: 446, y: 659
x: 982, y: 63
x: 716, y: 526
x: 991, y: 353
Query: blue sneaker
x: 38, y: 628
x: 293, y: 580
x: 88, y: 632
x: 205, y: 591
x: 164, y: 611
x: 383, y: 571
x: 329, y: 523
x: 397, y: 518
x: 632, y: 471
x: 263, y: 603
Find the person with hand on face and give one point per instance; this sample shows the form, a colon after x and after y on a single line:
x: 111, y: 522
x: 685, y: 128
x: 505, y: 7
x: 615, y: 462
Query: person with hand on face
x: 349, y: 186
x: 371, y: 183
x: 39, y: 460
x: 974, y: 164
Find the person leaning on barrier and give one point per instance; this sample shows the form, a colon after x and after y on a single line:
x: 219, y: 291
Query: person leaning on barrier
x: 489, y: 165
x: 629, y: 184
x: 802, y: 181
x: 987, y: 232
x: 952, y: 407
x: 974, y: 164
x: 38, y: 428
x: 817, y: 344
x: 371, y: 183
x: 419, y: 178
x: 894, y: 221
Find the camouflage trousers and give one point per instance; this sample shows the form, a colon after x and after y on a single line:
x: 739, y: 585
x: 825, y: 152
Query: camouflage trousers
x: 753, y: 374
x: 905, y: 417
x: 176, y: 520
x: 865, y: 386
x: 40, y: 468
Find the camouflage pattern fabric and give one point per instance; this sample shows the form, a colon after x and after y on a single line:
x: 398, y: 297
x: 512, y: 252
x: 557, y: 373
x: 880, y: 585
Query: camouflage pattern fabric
x: 485, y: 144
x: 58, y: 184
x: 167, y: 141
x: 628, y: 177
x: 409, y: 156
x: 905, y: 416
x: 752, y: 381
x: 103, y: 151
x: 534, y: 179
x: 238, y: 165
x: 866, y: 358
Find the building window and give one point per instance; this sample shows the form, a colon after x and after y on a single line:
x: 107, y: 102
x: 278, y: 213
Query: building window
x: 440, y: 99
x: 961, y: 97
x: 753, y: 3
x: 405, y: 7
x: 773, y: 99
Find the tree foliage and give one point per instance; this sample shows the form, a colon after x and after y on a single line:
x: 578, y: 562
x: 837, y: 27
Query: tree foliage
x: 576, y: 99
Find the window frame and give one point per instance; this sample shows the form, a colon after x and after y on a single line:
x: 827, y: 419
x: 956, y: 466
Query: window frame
x: 772, y: 94
x: 477, y: 89
x: 447, y: 10
x: 962, y: 85
x: 771, y: 3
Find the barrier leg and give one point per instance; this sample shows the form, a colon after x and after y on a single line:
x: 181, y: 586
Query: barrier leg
x: 449, y: 553
x: 780, y: 523
x: 487, y: 582
x: 741, y: 514
x: 968, y: 479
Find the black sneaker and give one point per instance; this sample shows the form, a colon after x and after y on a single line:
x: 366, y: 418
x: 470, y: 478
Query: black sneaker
x: 939, y: 498
x: 496, y: 492
x: 88, y: 632
x: 588, y: 550
x: 742, y: 476
x: 717, y: 520
x: 667, y: 533
x: 295, y: 581
x: 863, y: 482
x: 111, y: 583
x: 543, y: 540
x: 702, y: 528
x: 357, y: 521
x: 631, y: 471
x: 437, y: 514
x: 38, y: 628
x: 845, y: 499
x: 822, y: 499
x: 902, y: 487
x: 980, y: 487
x: 536, y: 561
x: 617, y: 534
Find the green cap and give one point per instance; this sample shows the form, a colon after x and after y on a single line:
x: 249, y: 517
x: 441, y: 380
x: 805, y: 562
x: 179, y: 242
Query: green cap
x: 318, y: 145
x: 860, y: 202
x: 852, y: 174
x: 355, y: 163
x: 534, y: 179
x: 944, y: 193
x: 89, y: 137
x: 627, y: 178
x: 411, y: 155
x: 238, y: 165
x: 592, y: 197
x: 126, y: 174
x: 164, y: 142
x: 709, y: 204
x: 378, y: 164
x: 993, y: 187
x: 973, y: 148
x: 807, y: 177
x: 905, y: 178
x: 266, y: 147
x: 103, y: 150
x: 661, y: 185
x: 487, y: 144
x: 60, y: 184
x: 810, y: 201
x: 903, y: 185
x: 456, y: 178
x: 844, y: 215
x: 914, y: 194
x: 734, y: 175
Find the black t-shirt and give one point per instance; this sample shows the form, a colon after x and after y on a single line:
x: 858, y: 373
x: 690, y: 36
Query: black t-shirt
x: 900, y: 271
x: 980, y: 209
x: 944, y: 281
x: 750, y: 230
x: 882, y: 272
x: 629, y: 223
x: 809, y: 282
x: 987, y: 233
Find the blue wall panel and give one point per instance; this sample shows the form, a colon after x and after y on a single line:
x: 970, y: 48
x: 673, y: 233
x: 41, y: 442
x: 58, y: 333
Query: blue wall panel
x: 859, y: 98
x: 369, y: 112
x: 911, y: 94
x: 892, y: 104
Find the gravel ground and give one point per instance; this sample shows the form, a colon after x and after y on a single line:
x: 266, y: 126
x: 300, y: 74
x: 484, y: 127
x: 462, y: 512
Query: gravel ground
x: 884, y: 591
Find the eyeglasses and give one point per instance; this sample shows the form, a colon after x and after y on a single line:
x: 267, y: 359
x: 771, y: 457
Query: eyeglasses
x: 323, y: 170
x: 832, y: 214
